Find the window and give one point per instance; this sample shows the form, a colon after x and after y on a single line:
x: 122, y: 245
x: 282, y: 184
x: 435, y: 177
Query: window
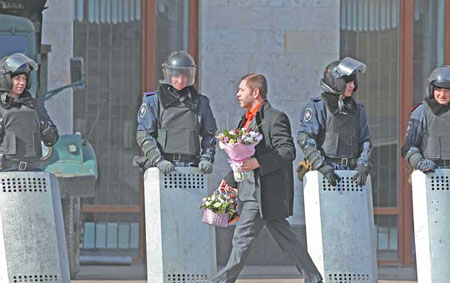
x: 370, y: 33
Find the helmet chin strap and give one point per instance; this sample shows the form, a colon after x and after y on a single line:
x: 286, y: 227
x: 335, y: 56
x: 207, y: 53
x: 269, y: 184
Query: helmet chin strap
x: 325, y: 87
x: 341, y: 105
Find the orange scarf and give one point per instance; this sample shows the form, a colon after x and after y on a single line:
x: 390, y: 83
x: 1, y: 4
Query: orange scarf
x: 250, y: 114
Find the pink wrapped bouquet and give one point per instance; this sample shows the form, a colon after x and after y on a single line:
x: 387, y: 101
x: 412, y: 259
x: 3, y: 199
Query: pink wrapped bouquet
x: 239, y: 145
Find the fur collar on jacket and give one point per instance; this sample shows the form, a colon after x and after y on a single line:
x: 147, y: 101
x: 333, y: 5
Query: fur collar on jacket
x: 332, y: 103
x: 7, y: 101
x: 435, y: 107
x: 170, y: 96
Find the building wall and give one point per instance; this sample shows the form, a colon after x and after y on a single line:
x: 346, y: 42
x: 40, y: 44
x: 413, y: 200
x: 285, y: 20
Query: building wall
x: 57, y: 30
x: 290, y: 42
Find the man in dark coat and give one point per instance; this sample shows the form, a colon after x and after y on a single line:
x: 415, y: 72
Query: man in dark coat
x: 266, y: 199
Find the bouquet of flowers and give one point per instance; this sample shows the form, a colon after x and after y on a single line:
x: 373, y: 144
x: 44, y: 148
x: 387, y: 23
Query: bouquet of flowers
x: 239, y: 145
x: 220, y: 208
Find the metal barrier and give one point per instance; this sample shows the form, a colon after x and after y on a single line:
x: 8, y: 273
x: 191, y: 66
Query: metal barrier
x: 431, y: 206
x: 340, y: 228
x: 32, y: 241
x: 180, y: 248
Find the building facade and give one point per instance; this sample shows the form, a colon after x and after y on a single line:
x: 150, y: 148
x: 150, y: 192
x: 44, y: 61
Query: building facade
x: 124, y: 42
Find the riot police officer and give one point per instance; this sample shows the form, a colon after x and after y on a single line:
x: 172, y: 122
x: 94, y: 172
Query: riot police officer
x: 427, y: 145
x: 172, y: 120
x: 24, y: 121
x: 333, y: 134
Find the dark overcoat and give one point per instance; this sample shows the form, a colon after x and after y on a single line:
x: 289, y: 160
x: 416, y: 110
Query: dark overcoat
x: 275, y: 154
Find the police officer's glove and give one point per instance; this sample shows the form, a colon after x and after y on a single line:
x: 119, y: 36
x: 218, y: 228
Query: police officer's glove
x: 165, y: 166
x: 426, y: 165
x: 362, y: 171
x: 205, y: 167
x: 49, y: 133
x: 142, y: 162
x: 328, y: 172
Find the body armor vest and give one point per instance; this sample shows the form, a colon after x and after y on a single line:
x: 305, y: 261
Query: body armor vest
x: 341, y: 138
x: 178, y: 130
x: 22, y: 136
x: 436, y: 139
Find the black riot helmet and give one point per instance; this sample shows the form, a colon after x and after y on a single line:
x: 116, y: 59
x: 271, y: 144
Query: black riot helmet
x: 439, y: 78
x: 179, y: 63
x: 338, y: 73
x: 13, y: 65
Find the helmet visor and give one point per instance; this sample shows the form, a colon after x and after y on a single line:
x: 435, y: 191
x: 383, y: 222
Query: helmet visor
x: 440, y: 77
x: 16, y: 62
x: 171, y: 72
x: 347, y: 67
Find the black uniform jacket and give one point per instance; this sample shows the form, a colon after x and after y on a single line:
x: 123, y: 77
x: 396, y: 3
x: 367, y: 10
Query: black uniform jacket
x: 275, y: 154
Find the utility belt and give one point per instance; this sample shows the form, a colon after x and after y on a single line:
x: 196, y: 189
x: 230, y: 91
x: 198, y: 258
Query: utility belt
x: 20, y: 165
x: 178, y: 157
x: 343, y: 161
x: 443, y: 163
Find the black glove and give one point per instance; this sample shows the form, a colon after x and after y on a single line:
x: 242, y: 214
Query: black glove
x: 165, y: 166
x: 49, y: 133
x: 361, y: 175
x: 426, y: 165
x: 314, y: 156
x: 142, y: 162
x: 205, y: 167
x: 328, y: 172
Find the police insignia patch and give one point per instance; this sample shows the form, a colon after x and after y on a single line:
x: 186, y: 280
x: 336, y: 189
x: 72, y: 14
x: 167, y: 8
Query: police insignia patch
x: 142, y: 110
x: 308, y: 115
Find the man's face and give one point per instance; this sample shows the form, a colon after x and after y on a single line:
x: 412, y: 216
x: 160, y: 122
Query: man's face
x: 179, y: 81
x: 349, y: 88
x: 442, y: 95
x: 18, y: 84
x: 245, y: 95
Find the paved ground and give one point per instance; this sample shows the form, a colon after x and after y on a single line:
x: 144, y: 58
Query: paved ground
x: 251, y: 274
x: 241, y: 281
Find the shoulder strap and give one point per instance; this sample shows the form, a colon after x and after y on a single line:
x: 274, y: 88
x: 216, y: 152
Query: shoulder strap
x: 149, y: 93
x: 2, y: 127
x: 415, y: 106
x: 158, y: 112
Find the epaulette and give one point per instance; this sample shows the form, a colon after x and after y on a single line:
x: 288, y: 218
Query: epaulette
x: 316, y: 99
x: 149, y: 93
x: 415, y: 106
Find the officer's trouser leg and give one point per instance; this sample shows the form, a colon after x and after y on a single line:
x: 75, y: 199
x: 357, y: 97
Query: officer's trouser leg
x: 247, y: 229
x: 284, y: 236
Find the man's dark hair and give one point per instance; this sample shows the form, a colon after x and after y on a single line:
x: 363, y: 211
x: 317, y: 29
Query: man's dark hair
x: 254, y: 80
